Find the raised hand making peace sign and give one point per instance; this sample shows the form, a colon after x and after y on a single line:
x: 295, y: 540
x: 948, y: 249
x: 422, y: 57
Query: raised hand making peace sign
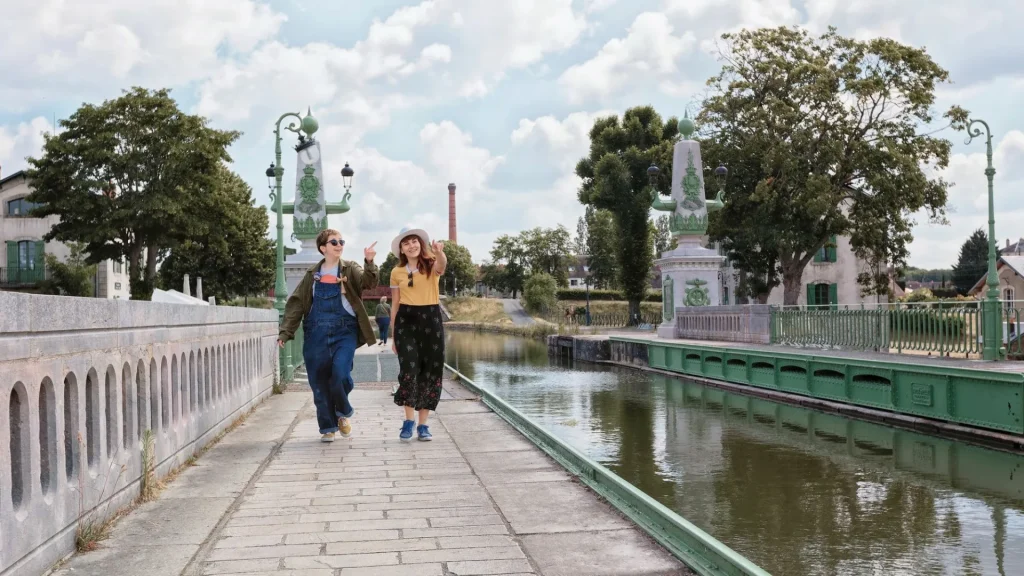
x: 370, y: 253
x: 437, y: 247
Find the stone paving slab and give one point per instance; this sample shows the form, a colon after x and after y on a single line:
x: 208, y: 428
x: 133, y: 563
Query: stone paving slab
x: 477, y: 500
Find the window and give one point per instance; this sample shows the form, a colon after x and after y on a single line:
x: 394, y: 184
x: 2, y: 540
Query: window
x: 822, y: 295
x: 827, y: 252
x: 117, y: 266
x: 25, y: 261
x: 26, y: 255
x: 19, y: 207
x: 1008, y: 296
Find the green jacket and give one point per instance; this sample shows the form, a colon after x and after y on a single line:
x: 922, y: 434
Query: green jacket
x: 356, y: 280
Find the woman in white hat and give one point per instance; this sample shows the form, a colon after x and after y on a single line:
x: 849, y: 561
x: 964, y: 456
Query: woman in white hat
x: 418, y: 337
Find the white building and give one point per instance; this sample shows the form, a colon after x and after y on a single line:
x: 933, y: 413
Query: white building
x: 22, y: 266
x: 830, y: 278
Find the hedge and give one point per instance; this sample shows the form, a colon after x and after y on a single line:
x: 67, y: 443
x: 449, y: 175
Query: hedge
x: 567, y: 294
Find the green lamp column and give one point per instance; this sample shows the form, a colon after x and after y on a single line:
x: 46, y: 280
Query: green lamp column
x: 991, y: 321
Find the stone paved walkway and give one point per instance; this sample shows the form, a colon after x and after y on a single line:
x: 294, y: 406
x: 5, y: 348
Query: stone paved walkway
x: 477, y: 500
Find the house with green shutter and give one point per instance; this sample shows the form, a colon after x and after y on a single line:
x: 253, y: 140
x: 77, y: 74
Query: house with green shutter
x: 22, y: 263
x: 829, y: 279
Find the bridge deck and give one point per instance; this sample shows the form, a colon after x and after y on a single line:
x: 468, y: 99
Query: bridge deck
x: 272, y: 499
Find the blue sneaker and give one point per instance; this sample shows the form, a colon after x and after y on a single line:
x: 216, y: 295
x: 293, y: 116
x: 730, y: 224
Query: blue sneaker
x: 424, y: 433
x: 406, y: 434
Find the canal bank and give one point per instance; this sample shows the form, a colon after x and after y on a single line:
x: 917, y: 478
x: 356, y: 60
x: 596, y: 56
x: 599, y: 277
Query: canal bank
x: 794, y: 489
x: 976, y: 401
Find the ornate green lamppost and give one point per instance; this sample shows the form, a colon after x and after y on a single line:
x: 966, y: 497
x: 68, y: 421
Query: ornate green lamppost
x: 991, y: 322
x: 276, y: 171
x: 309, y: 209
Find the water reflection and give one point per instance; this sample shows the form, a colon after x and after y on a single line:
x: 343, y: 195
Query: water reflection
x: 798, y: 492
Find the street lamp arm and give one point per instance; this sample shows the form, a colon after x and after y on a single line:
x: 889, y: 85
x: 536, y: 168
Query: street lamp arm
x: 293, y: 126
x: 973, y: 133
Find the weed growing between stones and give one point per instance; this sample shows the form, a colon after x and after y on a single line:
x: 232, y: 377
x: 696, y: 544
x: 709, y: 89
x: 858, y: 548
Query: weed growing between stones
x: 147, y: 482
x: 90, y: 532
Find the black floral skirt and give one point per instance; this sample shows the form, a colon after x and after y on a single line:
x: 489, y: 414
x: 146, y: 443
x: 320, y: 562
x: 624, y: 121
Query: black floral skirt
x: 419, y: 339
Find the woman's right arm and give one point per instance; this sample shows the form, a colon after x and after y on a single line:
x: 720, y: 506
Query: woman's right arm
x: 293, y: 313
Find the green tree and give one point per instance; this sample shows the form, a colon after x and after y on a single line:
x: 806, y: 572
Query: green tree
x: 73, y: 277
x: 663, y: 240
x: 540, y: 293
x: 579, y: 244
x: 548, y: 250
x: 130, y: 177
x: 384, y: 274
x: 972, y: 264
x: 615, y: 179
x: 508, y: 271
x: 460, y: 274
x: 603, y: 258
x: 821, y: 137
x: 239, y: 259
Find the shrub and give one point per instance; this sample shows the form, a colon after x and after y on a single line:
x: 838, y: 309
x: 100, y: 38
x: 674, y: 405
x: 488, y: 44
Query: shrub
x: 540, y: 293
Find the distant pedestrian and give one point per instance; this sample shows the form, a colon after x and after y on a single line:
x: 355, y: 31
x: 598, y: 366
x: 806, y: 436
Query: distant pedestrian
x: 383, y: 319
x: 328, y: 302
x: 419, y: 334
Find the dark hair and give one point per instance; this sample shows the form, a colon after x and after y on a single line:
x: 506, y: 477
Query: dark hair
x: 426, y: 256
x: 323, y: 237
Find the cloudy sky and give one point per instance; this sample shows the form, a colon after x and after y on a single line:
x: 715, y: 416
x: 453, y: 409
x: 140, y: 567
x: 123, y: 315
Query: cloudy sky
x: 494, y: 96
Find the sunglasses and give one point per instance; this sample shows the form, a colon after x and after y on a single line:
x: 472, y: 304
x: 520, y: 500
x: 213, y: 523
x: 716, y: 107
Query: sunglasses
x: 336, y: 242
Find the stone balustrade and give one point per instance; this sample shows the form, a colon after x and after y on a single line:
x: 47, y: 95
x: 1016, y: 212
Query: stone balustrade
x: 82, y: 379
x: 736, y: 323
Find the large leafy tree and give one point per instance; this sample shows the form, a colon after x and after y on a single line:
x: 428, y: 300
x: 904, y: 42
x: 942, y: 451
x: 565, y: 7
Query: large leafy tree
x: 579, y: 242
x: 548, y: 251
x: 615, y: 179
x: 129, y: 177
x: 822, y: 137
x: 460, y: 274
x: 663, y: 240
x: 507, y: 271
x: 238, y: 259
x: 972, y: 263
x: 385, y: 269
x: 603, y: 259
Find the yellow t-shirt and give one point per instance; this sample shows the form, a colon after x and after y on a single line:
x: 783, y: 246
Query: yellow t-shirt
x: 423, y: 292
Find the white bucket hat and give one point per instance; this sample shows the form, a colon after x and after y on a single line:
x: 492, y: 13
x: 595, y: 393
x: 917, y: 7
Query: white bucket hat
x: 396, y: 247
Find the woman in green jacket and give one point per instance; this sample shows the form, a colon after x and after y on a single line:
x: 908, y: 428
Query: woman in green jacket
x: 328, y: 303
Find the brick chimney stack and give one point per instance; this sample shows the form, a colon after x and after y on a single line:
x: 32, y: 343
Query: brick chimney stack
x: 452, y: 235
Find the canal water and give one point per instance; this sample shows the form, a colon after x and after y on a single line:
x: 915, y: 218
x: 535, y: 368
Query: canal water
x: 798, y: 492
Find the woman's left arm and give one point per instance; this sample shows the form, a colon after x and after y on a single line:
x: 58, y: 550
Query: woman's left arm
x: 440, y: 259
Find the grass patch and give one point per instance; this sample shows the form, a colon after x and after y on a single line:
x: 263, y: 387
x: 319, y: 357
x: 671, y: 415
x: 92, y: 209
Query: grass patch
x: 482, y: 310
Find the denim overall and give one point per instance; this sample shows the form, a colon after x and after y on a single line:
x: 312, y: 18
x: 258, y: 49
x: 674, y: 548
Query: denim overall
x: 329, y: 351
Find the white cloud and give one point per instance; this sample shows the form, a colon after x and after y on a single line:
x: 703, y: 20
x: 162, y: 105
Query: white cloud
x: 563, y: 141
x: 21, y: 141
x: 499, y: 36
x: 453, y: 157
x: 937, y: 246
x: 85, y: 47
x: 650, y: 48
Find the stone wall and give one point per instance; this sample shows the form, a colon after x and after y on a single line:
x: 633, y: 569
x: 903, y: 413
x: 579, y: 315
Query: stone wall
x: 81, y: 379
x: 737, y: 323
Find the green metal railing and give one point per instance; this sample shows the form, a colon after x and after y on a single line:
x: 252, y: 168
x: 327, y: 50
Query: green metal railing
x: 648, y: 319
x: 943, y: 328
x: 697, y: 549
